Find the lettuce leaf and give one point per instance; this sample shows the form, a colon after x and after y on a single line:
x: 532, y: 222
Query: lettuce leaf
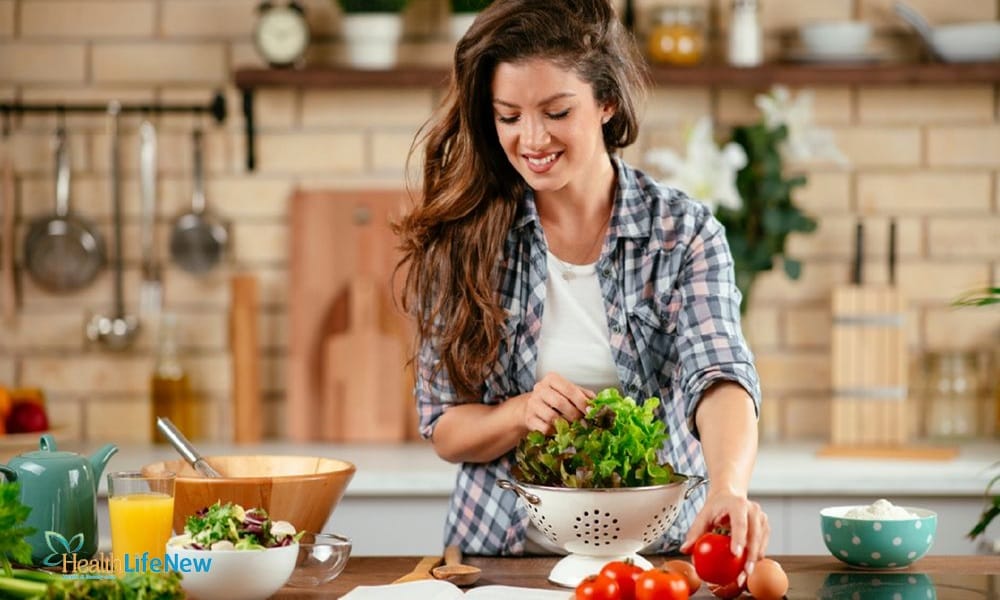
x: 614, y: 445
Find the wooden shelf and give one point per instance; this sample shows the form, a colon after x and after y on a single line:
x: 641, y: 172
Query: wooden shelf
x: 714, y: 75
x: 249, y: 79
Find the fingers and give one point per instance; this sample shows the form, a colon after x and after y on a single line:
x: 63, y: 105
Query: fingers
x: 554, y: 397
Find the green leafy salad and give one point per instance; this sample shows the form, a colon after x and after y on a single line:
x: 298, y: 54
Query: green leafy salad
x: 231, y: 527
x: 614, y: 445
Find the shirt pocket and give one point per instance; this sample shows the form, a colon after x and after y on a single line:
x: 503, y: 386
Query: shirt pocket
x: 654, y: 337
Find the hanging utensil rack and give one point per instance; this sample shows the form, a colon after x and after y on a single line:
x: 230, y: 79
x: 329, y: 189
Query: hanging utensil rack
x: 216, y: 108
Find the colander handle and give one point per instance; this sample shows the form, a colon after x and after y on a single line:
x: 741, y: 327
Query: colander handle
x: 520, y: 491
x: 694, y: 482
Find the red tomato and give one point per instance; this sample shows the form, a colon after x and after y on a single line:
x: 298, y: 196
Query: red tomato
x: 714, y: 560
x: 598, y: 587
x: 658, y: 585
x: 624, y: 573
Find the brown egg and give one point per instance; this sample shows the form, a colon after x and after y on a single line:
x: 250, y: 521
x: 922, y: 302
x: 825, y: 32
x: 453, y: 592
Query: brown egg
x: 685, y: 570
x: 768, y: 581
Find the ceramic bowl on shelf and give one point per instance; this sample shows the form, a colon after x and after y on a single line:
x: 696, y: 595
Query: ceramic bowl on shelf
x: 302, y: 490
x: 322, y: 556
x: 242, y: 574
x: 835, y: 38
x: 877, y: 543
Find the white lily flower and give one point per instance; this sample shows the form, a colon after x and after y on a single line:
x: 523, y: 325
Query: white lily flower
x: 805, y: 141
x: 707, y: 173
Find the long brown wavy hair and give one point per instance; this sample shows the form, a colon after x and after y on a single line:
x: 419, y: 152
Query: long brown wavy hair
x: 452, y: 241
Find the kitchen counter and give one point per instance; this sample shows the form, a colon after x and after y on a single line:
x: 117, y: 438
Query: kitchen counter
x: 398, y: 500
x: 946, y: 577
x: 782, y: 469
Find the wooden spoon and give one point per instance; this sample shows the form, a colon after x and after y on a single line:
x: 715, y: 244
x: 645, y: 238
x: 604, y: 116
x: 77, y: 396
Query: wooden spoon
x: 454, y: 571
x: 422, y: 570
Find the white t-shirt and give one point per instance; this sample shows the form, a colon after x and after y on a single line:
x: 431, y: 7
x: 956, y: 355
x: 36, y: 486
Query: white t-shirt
x: 574, y: 342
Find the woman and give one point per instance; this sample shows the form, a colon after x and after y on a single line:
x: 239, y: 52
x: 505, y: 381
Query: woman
x: 542, y: 269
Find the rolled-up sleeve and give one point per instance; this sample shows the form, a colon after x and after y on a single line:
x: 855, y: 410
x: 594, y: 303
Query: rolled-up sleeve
x: 433, y: 390
x: 710, y: 343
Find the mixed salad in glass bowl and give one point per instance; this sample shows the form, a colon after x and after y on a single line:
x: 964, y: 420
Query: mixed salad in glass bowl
x: 231, y: 527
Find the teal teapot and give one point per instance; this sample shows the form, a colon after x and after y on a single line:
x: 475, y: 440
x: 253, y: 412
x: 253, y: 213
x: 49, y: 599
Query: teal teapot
x: 60, y: 488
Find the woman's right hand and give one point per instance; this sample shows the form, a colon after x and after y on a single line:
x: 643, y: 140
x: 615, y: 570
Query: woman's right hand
x: 553, y: 397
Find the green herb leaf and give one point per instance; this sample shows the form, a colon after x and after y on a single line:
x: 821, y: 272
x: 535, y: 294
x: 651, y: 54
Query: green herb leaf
x: 13, y: 529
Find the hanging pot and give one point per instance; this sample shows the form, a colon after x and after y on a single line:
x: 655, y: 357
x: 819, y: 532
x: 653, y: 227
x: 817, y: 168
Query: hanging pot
x: 63, y: 252
x: 198, y: 240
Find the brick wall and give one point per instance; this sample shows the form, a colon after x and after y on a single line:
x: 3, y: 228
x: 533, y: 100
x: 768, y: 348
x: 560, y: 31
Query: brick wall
x: 929, y: 156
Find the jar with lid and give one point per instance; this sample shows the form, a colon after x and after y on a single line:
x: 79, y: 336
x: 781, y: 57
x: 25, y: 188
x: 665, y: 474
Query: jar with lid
x: 677, y: 36
x: 952, y: 394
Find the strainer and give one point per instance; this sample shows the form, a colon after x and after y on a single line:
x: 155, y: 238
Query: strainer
x: 597, y: 525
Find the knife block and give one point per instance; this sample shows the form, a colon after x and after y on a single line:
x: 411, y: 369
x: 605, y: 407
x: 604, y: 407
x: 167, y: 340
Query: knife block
x: 869, y: 367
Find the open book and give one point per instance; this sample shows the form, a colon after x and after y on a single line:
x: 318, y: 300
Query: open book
x: 436, y: 589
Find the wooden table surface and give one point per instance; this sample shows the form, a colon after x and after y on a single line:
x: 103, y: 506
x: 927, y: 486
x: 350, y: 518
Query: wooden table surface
x: 953, y: 577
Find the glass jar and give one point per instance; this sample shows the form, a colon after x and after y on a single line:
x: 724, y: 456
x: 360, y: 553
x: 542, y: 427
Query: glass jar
x: 952, y: 394
x: 677, y: 36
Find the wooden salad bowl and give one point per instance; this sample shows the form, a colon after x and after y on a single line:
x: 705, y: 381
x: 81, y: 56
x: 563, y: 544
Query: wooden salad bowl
x: 302, y: 490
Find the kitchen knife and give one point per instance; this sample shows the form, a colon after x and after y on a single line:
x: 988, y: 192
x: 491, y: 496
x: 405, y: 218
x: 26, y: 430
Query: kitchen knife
x: 184, y: 447
x: 857, y: 276
x: 892, y: 251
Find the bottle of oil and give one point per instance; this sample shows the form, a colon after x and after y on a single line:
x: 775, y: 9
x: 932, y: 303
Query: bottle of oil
x: 170, y: 388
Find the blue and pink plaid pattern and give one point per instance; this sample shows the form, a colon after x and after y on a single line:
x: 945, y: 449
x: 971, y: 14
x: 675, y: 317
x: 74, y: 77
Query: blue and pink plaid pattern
x: 667, y: 278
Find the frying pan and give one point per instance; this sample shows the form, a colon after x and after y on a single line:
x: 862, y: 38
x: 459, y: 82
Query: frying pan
x: 63, y: 252
x: 198, y: 240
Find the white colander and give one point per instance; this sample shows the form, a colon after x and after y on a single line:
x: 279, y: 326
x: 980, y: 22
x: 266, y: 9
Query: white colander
x: 597, y: 525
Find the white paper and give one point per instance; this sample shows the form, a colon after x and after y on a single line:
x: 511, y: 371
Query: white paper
x: 433, y: 589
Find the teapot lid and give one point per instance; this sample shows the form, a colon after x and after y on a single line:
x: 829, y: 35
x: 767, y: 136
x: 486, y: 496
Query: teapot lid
x: 47, y: 450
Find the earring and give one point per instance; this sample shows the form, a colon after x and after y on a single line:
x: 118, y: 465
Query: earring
x: 605, y: 120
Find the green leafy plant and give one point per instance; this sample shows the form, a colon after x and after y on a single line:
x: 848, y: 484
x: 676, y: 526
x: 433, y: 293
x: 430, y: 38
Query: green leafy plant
x: 468, y: 6
x: 13, y: 529
x: 372, y: 6
x: 614, y: 445
x: 991, y: 508
x: 757, y: 232
x: 746, y: 182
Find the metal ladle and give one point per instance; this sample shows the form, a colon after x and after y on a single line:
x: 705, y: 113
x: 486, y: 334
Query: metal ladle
x: 116, y: 332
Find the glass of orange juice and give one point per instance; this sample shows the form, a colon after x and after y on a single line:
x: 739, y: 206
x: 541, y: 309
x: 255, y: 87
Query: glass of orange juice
x: 142, y: 510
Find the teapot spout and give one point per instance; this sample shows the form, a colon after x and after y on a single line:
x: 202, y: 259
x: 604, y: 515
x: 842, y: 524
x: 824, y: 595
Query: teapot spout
x: 100, y: 459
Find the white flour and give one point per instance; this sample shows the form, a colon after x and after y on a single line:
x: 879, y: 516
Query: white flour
x: 881, y: 510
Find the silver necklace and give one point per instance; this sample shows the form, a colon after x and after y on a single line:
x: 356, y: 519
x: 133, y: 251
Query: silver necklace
x: 568, y: 270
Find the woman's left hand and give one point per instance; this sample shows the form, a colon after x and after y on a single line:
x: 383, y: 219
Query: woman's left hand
x: 746, y: 520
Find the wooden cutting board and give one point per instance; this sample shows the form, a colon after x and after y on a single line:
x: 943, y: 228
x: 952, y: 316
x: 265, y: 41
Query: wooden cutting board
x: 247, y: 408
x: 342, y: 249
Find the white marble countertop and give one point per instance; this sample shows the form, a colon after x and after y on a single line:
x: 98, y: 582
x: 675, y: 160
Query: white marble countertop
x: 792, y: 469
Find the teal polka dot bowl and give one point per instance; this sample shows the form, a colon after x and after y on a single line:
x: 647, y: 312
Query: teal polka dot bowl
x: 878, y: 543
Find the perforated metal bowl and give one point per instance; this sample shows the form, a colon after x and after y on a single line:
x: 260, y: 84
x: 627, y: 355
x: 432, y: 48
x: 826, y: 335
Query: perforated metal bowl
x: 598, y: 524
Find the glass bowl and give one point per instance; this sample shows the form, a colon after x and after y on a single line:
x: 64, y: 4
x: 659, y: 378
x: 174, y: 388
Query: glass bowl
x: 322, y: 556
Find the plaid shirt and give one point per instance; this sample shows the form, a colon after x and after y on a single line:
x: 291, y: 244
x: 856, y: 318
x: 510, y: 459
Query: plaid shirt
x: 666, y: 275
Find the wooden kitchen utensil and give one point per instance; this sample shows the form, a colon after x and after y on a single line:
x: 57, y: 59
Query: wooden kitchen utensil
x: 247, y: 408
x: 339, y: 237
x: 363, y: 373
x: 422, y: 570
x: 454, y: 571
